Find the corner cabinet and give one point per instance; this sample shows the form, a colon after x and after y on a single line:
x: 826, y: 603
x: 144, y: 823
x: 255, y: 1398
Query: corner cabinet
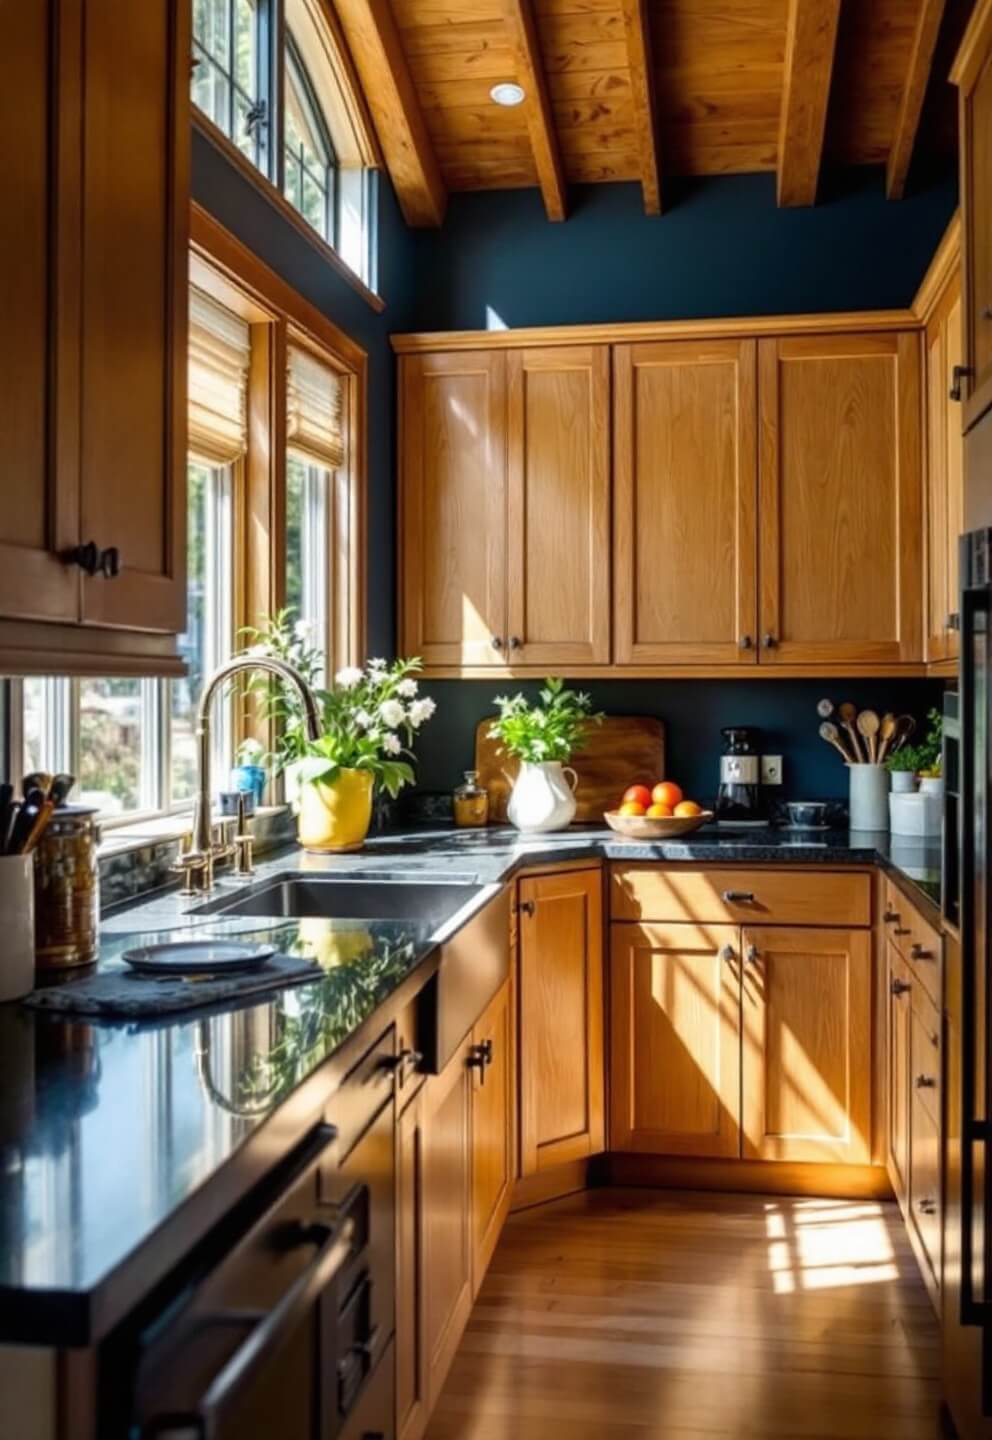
x: 505, y: 508
x: 839, y: 501
x: 93, y: 354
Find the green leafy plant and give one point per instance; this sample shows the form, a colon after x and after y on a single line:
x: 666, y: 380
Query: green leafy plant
x: 367, y: 713
x: 926, y: 758
x: 552, y: 730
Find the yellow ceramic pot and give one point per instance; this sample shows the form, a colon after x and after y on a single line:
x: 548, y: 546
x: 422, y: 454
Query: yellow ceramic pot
x: 336, y: 816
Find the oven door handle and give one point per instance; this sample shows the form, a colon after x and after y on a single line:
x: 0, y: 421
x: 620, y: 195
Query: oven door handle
x: 974, y: 1310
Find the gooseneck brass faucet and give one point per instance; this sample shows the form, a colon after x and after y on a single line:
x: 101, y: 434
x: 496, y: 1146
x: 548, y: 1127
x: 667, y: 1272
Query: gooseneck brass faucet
x: 197, y: 864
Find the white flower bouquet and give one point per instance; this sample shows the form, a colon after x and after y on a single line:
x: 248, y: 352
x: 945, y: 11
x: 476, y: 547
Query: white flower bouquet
x: 370, y: 714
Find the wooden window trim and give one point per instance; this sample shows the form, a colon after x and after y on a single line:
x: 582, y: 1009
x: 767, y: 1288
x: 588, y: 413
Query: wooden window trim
x: 227, y: 270
x: 278, y: 201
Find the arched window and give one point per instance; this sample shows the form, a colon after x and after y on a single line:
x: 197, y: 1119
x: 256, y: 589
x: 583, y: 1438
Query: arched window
x: 309, y: 162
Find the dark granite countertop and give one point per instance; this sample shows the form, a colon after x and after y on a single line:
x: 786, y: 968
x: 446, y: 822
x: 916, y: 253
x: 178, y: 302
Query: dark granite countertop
x: 110, y: 1131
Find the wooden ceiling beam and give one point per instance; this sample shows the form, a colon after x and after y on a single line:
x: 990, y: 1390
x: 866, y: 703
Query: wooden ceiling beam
x: 377, y: 54
x: 524, y: 44
x: 641, y: 65
x: 811, y: 39
x: 928, y: 20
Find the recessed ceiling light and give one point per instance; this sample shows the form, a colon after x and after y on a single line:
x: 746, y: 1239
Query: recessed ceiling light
x: 507, y: 94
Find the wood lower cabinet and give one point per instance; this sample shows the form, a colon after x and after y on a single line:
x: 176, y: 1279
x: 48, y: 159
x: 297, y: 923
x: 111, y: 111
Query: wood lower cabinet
x: 493, y: 1129
x: 455, y: 1171
x: 685, y: 503
x: 840, y: 550
x: 675, y: 1033
x: 93, y: 352
x: 899, y: 1019
x: 806, y: 1056
x: 561, y: 1019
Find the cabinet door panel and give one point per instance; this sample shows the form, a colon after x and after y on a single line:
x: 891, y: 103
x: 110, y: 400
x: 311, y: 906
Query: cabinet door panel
x: 945, y: 473
x: 898, y: 1031
x: 411, y: 1371
x: 447, y: 1215
x: 135, y: 145
x: 39, y: 485
x: 561, y: 1019
x: 492, y: 1129
x: 675, y: 1032
x: 453, y: 524
x: 953, y: 355
x: 977, y: 184
x: 840, y: 499
x: 559, y: 505
x: 684, y: 502
x: 807, y: 1045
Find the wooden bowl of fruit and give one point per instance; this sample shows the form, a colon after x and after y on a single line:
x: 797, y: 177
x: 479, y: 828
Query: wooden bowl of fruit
x: 657, y: 813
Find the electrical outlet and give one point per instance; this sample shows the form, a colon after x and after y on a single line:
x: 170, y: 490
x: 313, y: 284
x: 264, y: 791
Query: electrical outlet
x: 771, y: 769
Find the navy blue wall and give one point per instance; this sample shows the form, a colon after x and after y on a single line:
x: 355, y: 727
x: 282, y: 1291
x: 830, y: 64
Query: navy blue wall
x: 222, y: 190
x: 722, y: 248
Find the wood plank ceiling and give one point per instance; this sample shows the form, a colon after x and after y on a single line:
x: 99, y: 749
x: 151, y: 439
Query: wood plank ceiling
x: 646, y: 90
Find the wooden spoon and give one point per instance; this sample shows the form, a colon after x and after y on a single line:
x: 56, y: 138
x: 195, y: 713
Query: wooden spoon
x: 905, y: 725
x: 825, y: 708
x: 886, y: 734
x: 868, y: 726
x: 848, y: 714
x: 830, y: 733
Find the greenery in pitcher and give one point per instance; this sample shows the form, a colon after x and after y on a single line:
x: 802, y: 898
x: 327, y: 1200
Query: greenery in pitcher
x: 370, y: 714
x: 554, y: 729
x: 926, y: 758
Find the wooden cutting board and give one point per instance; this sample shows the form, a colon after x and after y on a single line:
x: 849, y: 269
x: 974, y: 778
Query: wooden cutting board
x: 623, y: 750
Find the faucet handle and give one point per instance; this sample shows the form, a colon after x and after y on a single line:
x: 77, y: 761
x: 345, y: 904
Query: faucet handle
x: 243, y: 847
x: 187, y: 864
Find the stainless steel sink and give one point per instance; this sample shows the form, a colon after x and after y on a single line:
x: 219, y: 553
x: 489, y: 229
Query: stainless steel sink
x: 432, y: 902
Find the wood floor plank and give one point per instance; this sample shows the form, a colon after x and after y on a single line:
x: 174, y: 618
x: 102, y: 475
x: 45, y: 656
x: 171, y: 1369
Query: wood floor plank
x: 646, y: 1315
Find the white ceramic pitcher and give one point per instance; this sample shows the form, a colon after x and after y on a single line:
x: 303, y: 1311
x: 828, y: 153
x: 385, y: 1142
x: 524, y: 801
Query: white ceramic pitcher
x: 542, y: 797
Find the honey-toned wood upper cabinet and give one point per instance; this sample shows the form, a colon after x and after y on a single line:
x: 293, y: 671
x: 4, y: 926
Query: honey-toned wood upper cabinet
x: 684, y: 503
x: 561, y: 1074
x: 972, y: 73
x: 453, y: 508
x: 93, y: 355
x: 135, y: 238
x: 675, y: 1017
x: 840, y: 500
x: 806, y: 1068
x: 558, y: 551
x: 39, y: 515
x: 493, y: 1129
x: 945, y: 470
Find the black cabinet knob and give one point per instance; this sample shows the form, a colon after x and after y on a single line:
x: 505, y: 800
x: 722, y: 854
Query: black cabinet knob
x: 496, y: 642
x: 768, y: 640
x: 745, y: 642
x: 110, y: 562
x: 87, y: 557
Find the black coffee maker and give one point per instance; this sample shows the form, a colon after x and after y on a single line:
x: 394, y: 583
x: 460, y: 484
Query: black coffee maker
x: 739, y: 801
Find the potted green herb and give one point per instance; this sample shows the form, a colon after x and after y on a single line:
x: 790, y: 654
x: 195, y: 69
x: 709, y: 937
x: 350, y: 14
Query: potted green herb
x: 543, y: 737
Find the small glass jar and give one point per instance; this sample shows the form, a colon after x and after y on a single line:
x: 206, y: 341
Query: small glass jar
x: 471, y: 802
x: 67, y: 890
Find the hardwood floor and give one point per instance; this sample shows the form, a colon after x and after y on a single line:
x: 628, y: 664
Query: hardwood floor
x: 662, y: 1315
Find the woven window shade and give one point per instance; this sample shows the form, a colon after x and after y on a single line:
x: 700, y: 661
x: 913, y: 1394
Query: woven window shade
x: 219, y: 352
x: 314, y: 410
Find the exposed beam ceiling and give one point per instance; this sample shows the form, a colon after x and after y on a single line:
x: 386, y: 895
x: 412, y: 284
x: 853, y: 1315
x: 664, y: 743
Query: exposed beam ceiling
x: 924, y: 43
x: 378, y: 57
x: 526, y: 50
x: 811, y: 38
x: 640, y: 62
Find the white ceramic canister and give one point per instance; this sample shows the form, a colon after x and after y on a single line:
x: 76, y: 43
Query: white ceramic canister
x: 542, y: 798
x: 869, y: 797
x: 903, y: 782
x: 16, y: 926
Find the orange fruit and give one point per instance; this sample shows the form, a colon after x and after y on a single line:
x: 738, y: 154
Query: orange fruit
x: 688, y: 807
x: 666, y: 792
x: 632, y: 807
x: 659, y: 812
x: 637, y: 795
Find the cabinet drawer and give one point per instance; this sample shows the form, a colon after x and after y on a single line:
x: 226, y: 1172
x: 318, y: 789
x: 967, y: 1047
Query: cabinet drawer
x: 917, y: 942
x: 737, y: 896
x: 363, y: 1092
x: 924, y: 1185
x: 924, y: 1049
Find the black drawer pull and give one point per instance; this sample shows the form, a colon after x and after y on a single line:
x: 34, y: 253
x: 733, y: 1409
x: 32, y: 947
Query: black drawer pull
x: 899, y: 987
x: 918, y: 952
x: 925, y: 1082
x: 890, y: 916
x: 959, y: 373
x: 738, y: 897
x: 527, y: 907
